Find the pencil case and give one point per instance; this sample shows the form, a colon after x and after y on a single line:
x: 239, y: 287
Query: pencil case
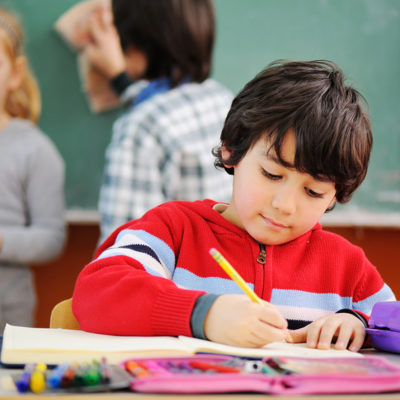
x: 277, y: 375
x: 384, y: 326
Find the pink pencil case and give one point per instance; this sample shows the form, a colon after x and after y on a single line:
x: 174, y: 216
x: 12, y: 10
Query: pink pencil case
x: 278, y: 375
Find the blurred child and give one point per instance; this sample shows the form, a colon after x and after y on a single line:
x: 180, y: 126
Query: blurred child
x: 161, y: 146
x: 31, y: 181
x: 296, y: 140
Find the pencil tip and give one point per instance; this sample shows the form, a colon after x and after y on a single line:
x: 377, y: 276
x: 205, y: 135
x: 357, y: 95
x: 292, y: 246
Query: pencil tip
x: 289, y: 338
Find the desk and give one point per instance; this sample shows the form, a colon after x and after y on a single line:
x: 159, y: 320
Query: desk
x: 12, y: 394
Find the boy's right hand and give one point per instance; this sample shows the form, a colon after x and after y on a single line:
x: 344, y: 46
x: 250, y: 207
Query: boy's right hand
x: 234, y: 319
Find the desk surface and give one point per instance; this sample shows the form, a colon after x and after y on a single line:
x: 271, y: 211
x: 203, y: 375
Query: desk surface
x: 7, y: 392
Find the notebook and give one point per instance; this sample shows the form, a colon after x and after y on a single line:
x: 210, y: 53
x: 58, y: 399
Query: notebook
x: 25, y: 345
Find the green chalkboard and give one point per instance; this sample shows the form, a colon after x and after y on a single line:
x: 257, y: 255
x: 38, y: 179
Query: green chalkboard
x: 362, y: 36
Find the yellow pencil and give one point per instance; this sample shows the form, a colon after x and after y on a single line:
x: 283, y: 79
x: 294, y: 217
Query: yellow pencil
x: 234, y: 275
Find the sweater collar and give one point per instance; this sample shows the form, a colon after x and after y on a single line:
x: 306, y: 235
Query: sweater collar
x: 210, y: 210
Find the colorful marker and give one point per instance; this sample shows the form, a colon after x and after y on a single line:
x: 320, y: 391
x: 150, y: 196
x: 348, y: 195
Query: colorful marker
x: 79, y: 378
x: 133, y: 368
x: 38, y: 379
x: 54, y: 379
x: 68, y: 378
x: 207, y: 366
x: 92, y: 375
x: 156, y: 367
x: 23, y: 382
x: 105, y: 376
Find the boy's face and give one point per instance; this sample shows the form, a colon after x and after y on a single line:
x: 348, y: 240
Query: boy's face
x: 273, y: 203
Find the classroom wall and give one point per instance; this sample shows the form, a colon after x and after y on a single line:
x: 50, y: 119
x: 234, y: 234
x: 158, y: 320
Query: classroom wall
x: 55, y: 281
x: 362, y: 36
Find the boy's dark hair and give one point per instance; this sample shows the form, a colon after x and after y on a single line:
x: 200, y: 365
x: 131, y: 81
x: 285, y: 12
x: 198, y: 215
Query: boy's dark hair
x: 177, y: 36
x: 333, y: 133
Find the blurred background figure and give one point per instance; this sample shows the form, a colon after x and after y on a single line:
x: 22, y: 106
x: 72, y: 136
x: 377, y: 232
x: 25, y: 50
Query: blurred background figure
x: 32, y: 228
x: 158, y: 55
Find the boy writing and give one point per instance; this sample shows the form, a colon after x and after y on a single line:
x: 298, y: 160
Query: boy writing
x: 296, y: 140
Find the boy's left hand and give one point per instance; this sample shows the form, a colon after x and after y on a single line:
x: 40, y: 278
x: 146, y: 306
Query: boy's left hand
x: 319, y: 334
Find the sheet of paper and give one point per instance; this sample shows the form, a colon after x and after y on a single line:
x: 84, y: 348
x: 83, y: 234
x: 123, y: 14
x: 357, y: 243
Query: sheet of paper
x: 272, y: 349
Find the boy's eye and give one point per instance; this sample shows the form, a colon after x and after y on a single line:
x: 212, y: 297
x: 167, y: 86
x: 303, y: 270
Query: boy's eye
x: 313, y: 194
x: 269, y: 175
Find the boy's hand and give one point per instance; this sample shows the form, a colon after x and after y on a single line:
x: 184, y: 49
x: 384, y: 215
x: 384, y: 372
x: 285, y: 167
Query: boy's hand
x: 235, y: 320
x: 319, y: 334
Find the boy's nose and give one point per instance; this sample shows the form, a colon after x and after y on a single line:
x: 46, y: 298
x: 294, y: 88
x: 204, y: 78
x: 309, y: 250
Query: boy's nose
x: 285, y: 202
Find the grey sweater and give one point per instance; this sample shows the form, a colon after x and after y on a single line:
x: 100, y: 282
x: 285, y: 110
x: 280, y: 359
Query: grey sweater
x: 31, y: 196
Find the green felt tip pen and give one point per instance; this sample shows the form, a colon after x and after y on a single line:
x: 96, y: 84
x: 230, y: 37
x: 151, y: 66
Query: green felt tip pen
x: 92, y: 376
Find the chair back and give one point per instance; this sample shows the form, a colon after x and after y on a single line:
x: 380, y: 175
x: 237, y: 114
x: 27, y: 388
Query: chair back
x: 62, y: 316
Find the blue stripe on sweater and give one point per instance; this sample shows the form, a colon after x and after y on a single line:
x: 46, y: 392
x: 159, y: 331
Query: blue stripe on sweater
x: 298, y: 298
x: 163, y: 251
x: 189, y: 280
x: 160, y: 248
x: 328, y: 301
x: 365, y: 306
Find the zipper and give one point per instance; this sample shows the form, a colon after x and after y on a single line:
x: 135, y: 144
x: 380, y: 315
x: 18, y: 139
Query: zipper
x: 262, y: 255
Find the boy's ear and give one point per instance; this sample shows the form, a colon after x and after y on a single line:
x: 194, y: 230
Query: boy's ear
x: 18, y: 73
x: 136, y: 62
x: 226, y: 155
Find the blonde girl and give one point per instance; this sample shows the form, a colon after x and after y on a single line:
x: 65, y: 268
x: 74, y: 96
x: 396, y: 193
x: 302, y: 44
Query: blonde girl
x: 32, y: 228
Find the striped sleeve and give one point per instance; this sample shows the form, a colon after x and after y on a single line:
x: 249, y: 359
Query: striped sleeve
x: 128, y: 288
x: 155, y: 256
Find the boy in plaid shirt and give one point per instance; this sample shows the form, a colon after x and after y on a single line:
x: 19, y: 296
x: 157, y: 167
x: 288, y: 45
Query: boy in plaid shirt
x: 160, y: 147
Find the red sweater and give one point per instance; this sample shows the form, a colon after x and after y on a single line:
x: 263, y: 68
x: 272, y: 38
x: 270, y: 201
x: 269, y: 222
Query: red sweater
x: 148, y: 274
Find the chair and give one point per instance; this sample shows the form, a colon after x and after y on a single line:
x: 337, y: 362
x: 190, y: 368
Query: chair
x: 62, y: 317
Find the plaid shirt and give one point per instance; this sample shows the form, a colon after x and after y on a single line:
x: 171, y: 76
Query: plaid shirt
x: 161, y: 150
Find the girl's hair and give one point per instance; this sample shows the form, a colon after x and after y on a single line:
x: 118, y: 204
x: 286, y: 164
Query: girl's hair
x: 332, y: 129
x: 23, y: 102
x: 177, y: 36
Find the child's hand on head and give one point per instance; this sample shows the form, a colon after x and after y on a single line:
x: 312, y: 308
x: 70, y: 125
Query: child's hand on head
x: 346, y: 328
x: 104, y: 49
x: 234, y: 319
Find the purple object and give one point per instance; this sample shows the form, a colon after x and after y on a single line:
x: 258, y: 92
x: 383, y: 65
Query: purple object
x: 384, y: 326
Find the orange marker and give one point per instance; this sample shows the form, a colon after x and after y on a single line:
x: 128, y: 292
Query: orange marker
x: 133, y: 368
